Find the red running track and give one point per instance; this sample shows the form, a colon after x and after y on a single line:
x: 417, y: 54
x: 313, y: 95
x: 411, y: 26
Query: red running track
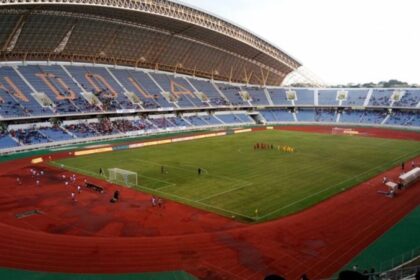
x: 95, y: 236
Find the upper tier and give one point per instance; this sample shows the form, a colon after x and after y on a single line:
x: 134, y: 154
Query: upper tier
x: 28, y: 91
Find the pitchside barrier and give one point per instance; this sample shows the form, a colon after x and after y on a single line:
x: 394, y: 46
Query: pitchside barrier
x: 148, y: 143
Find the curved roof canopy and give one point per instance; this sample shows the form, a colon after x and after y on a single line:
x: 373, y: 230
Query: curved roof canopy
x: 157, y: 34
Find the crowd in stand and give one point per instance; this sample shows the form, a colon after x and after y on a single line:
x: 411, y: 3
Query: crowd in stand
x: 81, y: 129
x: 218, y: 101
x: 403, y: 118
x: 380, y: 101
x: 125, y: 125
x: 325, y: 115
x: 408, y: 100
x: 105, y: 126
x: 29, y: 136
x: 361, y: 99
x: 150, y: 104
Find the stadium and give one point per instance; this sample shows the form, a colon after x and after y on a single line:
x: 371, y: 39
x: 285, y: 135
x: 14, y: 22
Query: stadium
x: 147, y: 139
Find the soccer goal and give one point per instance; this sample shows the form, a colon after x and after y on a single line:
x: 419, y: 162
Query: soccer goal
x: 343, y: 131
x: 122, y: 176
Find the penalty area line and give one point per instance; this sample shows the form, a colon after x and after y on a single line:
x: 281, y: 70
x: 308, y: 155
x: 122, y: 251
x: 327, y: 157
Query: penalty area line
x: 228, y: 191
x: 158, y: 191
x: 189, y: 170
x: 180, y: 198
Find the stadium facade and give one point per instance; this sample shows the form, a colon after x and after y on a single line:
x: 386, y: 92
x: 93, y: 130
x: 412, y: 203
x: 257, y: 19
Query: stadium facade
x: 74, y: 71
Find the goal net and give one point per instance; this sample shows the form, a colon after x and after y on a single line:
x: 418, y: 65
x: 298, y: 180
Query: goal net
x: 122, y: 176
x: 343, y: 131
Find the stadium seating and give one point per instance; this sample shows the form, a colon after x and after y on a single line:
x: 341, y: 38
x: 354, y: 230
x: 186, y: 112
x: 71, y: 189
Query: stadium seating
x: 150, y: 87
x: 78, y: 101
x: 402, y: 118
x: 327, y: 97
x: 325, y: 115
x: 41, y: 90
x: 180, y: 90
x: 55, y: 133
x: 381, y: 97
x: 210, y: 91
x: 211, y: 120
x: 179, y: 121
x: 196, y: 121
x: 235, y: 118
x: 162, y: 122
x: 30, y: 136
x: 278, y: 96
x: 81, y: 130
x: 277, y: 116
x: 142, y: 86
x: 16, y: 95
x: 232, y: 93
x: 305, y: 115
x: 203, y: 120
x: 355, y: 97
x: 257, y: 95
x: 6, y: 141
x: 99, y: 82
x: 411, y: 98
x: 304, y: 97
x: 362, y: 116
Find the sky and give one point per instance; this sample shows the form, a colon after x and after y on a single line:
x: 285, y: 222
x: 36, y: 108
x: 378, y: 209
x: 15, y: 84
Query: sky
x: 341, y: 41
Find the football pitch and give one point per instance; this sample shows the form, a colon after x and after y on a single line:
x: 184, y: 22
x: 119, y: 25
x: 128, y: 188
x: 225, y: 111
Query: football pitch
x: 253, y: 185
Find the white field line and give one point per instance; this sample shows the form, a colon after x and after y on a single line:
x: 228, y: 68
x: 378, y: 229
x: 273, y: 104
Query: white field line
x: 197, y: 202
x: 227, y: 191
x: 83, y: 171
x: 242, y: 184
x: 96, y: 175
x: 71, y: 168
x: 189, y: 170
x: 246, y: 183
x: 326, y: 189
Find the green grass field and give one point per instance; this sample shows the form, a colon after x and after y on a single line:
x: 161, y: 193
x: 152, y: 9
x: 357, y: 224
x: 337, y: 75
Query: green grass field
x: 237, y: 180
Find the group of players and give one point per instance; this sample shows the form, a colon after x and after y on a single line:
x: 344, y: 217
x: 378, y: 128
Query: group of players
x: 72, y: 181
x: 37, y: 174
x: 284, y: 148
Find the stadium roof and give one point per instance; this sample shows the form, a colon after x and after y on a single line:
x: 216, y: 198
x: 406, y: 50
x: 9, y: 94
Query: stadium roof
x: 157, y: 34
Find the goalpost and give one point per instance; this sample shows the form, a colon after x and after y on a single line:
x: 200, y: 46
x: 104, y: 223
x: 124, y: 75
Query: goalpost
x: 127, y: 177
x: 337, y: 130
x: 343, y: 131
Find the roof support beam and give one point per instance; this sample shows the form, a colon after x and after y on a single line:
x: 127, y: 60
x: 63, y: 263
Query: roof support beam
x: 62, y: 45
x: 10, y: 43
